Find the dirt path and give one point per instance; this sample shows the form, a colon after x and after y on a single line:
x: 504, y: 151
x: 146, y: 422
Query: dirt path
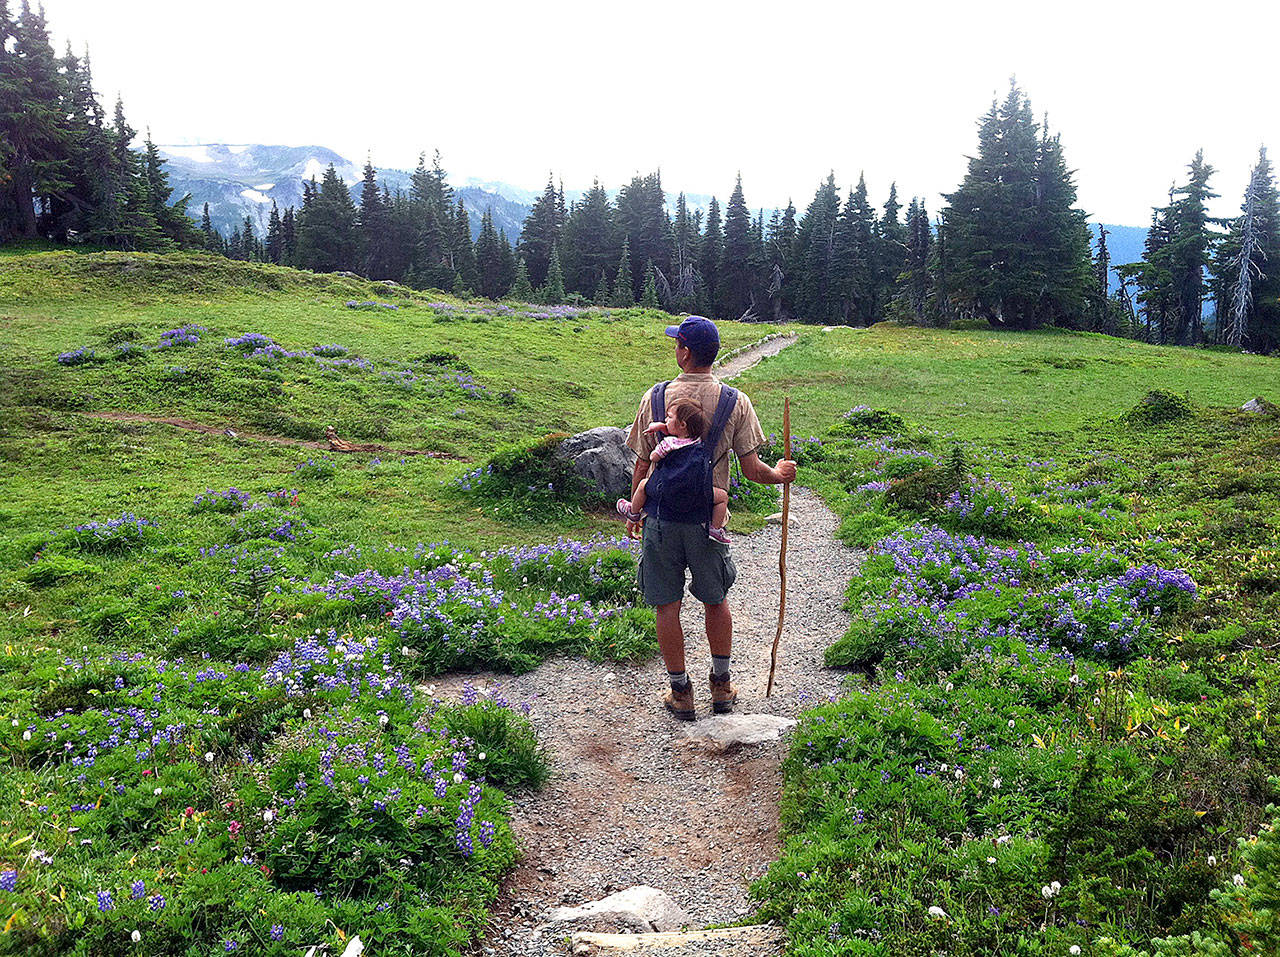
x: 749, y: 357
x: 633, y: 801
x: 180, y: 423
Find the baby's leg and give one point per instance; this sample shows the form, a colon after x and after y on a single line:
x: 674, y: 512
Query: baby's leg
x: 719, y: 508
x: 638, y: 500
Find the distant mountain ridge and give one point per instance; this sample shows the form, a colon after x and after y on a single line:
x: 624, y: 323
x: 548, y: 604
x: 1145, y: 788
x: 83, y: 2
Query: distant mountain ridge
x: 239, y: 180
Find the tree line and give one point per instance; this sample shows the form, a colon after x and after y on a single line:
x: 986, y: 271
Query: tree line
x: 1008, y: 246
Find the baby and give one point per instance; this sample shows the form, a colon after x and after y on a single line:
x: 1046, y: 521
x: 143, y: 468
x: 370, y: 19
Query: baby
x: 686, y: 423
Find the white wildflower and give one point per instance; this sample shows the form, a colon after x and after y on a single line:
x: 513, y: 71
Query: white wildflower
x: 306, y: 712
x: 996, y: 782
x: 1010, y: 724
x: 208, y: 756
x: 937, y: 912
x: 382, y: 720
x: 1213, y: 861
x: 1046, y: 892
x: 157, y: 791
x: 136, y: 936
x: 457, y: 777
x: 268, y: 816
x: 991, y: 860
x: 481, y: 756
x: 1238, y: 880
x: 1073, y: 949
x: 950, y: 686
x: 1074, y: 679
x: 959, y: 773
x: 26, y: 735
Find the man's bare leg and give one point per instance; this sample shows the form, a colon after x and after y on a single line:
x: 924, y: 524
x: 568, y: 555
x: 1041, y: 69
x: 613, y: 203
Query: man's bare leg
x: 719, y: 628
x: 671, y: 636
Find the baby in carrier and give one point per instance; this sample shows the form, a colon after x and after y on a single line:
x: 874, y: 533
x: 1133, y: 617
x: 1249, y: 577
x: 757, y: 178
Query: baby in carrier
x: 685, y: 425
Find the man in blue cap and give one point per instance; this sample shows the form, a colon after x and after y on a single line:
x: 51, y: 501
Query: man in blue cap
x: 670, y: 547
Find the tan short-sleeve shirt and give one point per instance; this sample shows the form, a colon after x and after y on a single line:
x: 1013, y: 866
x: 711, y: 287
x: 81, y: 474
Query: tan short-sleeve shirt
x: 742, y: 433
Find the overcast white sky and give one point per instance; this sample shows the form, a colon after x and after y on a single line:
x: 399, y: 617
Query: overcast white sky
x: 783, y: 91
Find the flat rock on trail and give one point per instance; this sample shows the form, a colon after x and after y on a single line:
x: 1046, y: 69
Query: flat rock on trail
x: 633, y: 799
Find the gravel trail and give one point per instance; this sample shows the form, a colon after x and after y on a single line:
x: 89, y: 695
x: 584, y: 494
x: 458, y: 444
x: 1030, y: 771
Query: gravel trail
x: 631, y: 800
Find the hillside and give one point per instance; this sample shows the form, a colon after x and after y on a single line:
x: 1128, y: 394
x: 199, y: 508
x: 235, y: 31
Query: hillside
x: 222, y: 724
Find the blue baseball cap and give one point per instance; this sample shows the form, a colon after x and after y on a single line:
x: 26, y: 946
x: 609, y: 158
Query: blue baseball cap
x: 698, y: 334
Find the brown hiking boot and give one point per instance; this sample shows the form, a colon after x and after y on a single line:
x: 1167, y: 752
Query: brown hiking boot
x: 723, y: 694
x: 680, y: 703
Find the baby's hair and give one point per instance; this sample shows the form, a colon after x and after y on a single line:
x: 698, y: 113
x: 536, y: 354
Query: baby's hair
x: 691, y: 414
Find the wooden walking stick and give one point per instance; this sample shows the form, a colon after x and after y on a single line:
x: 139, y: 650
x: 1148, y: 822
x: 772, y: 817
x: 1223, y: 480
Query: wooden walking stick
x: 782, y: 552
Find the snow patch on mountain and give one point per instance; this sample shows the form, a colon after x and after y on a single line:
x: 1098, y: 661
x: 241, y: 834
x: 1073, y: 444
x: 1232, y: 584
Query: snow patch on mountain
x: 314, y: 169
x: 254, y: 196
x: 266, y: 186
x: 196, y: 154
x: 237, y: 149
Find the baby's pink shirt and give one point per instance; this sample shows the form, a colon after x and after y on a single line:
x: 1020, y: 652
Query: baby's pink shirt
x: 669, y: 445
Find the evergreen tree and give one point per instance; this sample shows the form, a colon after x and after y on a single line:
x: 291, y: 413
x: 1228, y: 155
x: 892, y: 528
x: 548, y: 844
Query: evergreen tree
x: 734, y: 286
x: 889, y: 253
x: 508, y: 274
x: 1019, y: 252
x: 173, y: 222
x: 1152, y: 276
x: 1189, y: 253
x: 250, y: 243
x: 602, y: 295
x: 209, y: 239
x: 1249, y: 266
x: 288, y: 237
x: 915, y: 274
x: 328, y: 238
x: 815, y: 287
x: 590, y: 244
x: 489, y: 259
x: 854, y: 268
x: 552, y: 292
x: 431, y: 212
x: 521, y: 289
x: 642, y: 221
x: 780, y: 254
x: 540, y: 233
x: 649, y: 298
x: 464, y: 254
x: 373, y: 223
x: 1101, y: 299
x: 683, y: 272
x: 709, y: 257
x: 33, y: 128
x: 123, y: 219
x: 235, y: 245
x: 623, y: 290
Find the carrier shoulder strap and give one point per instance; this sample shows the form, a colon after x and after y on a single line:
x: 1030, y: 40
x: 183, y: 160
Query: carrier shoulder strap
x: 658, y: 402
x: 724, y: 409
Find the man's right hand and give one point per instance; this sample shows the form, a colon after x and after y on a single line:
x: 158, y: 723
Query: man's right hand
x: 786, y: 469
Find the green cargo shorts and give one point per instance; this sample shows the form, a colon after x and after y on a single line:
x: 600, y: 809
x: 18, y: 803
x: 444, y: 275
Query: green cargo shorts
x: 668, y: 548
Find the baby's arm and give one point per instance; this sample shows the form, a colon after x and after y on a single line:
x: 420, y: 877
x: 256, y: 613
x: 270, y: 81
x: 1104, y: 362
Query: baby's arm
x: 652, y: 427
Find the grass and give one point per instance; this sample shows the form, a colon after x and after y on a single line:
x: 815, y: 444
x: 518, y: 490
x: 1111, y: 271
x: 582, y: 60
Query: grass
x: 1045, y: 439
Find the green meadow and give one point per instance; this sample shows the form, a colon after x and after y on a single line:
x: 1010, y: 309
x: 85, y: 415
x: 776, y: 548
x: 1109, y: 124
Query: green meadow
x: 1062, y: 653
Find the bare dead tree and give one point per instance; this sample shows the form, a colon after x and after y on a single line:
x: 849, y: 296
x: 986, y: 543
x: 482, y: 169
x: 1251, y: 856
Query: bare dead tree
x: 1247, y: 270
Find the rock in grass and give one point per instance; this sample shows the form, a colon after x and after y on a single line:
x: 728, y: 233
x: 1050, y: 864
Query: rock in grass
x: 600, y: 457
x: 723, y: 732
x: 639, y: 910
x: 1258, y: 405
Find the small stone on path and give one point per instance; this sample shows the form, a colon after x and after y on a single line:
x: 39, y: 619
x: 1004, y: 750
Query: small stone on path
x: 638, y: 909
x: 722, y: 732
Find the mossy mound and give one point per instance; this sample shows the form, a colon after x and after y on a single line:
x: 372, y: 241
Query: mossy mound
x: 1159, y: 407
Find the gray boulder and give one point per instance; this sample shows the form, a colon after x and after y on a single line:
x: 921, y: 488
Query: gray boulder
x: 1257, y: 405
x: 601, y: 458
x: 732, y: 731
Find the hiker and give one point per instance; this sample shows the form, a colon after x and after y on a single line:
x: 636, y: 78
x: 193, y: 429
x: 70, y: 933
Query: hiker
x: 683, y: 428
x: 675, y: 532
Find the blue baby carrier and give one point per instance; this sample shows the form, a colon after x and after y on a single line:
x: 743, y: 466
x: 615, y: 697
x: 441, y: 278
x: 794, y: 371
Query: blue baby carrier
x: 681, y: 488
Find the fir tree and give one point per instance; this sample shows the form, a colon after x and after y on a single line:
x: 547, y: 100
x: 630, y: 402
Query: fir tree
x: 552, y: 292
x: 288, y: 236
x: 734, y: 284
x: 1249, y: 266
x: 623, y: 291
x: 373, y: 226
x: 649, y: 298
x: 540, y: 233
x: 890, y: 249
x: 489, y: 259
x: 854, y: 267
x: 590, y: 244
x: 173, y: 222
x: 682, y: 276
x: 431, y: 213
x: 208, y: 238
x: 816, y: 291
x: 464, y: 254
x: 602, y: 295
x: 328, y: 238
x: 709, y: 257
x: 1189, y: 253
x: 521, y: 289
x: 642, y: 220
x: 1019, y: 252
